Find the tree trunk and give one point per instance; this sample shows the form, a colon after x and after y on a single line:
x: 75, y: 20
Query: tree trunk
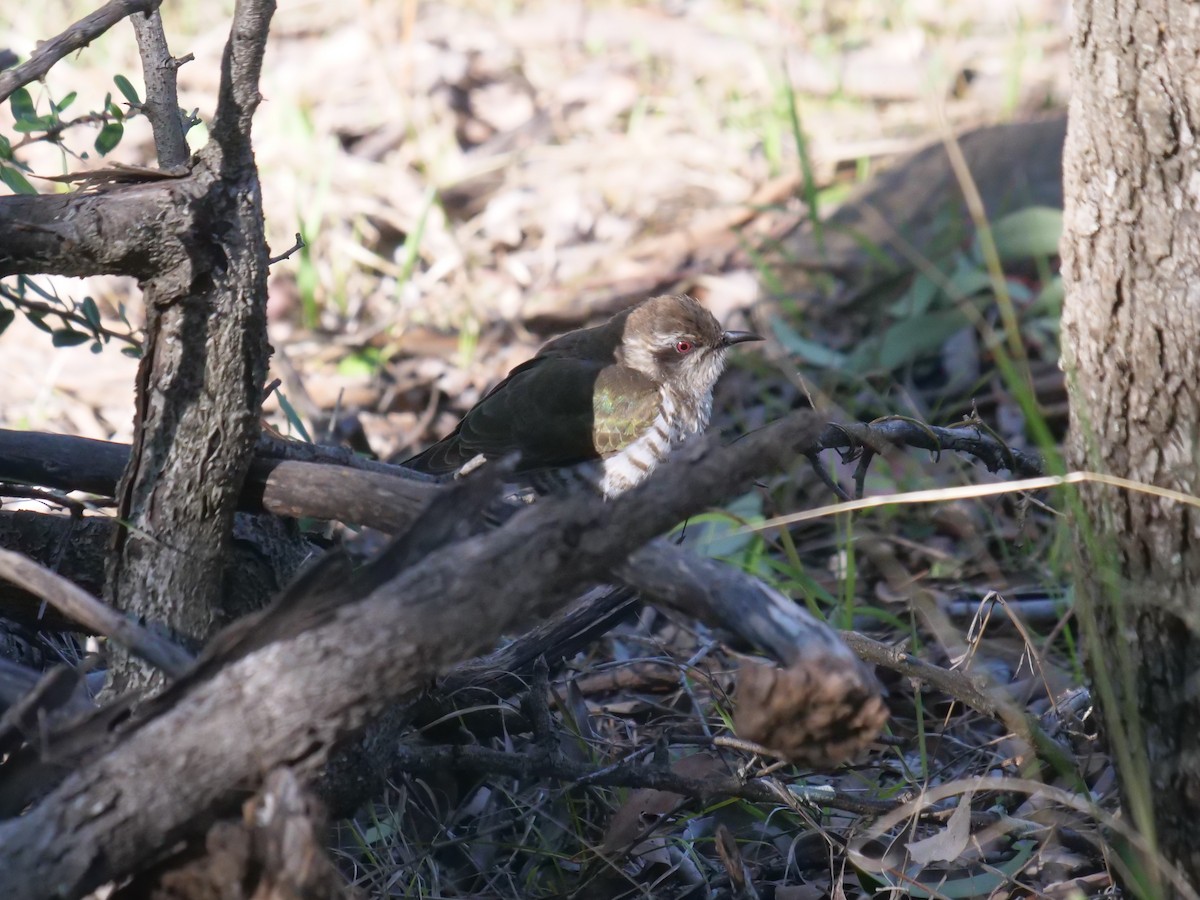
x: 199, y: 387
x: 1131, y: 342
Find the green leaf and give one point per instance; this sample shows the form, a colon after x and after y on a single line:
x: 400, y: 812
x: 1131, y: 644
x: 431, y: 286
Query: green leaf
x: 923, y: 883
x: 967, y: 280
x: 109, y: 136
x: 97, y: 347
x: 127, y: 90
x: 363, y: 363
x: 5, y: 148
x: 68, y: 337
x: 36, y: 123
x: 917, y: 299
x: 6, y: 318
x: 16, y: 182
x: 1050, y: 299
x: 720, y: 534
x: 65, y: 101
x: 913, y: 338
x: 293, y: 417
x: 21, y: 104
x: 91, y: 312
x: 35, y: 319
x: 812, y: 352
x: 132, y: 352
x: 1028, y: 233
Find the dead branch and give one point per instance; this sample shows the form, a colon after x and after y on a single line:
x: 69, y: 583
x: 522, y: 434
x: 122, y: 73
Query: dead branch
x: 130, y: 229
x: 54, y: 695
x: 376, y: 494
x: 696, y: 587
x: 297, y: 245
x: 275, y: 849
x: 544, y: 763
x: 80, y: 606
x: 16, y: 681
x: 898, y: 432
x: 75, y: 37
x: 295, y: 698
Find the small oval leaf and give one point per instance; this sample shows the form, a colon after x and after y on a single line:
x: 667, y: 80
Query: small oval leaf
x: 91, y: 312
x: 126, y: 90
x: 17, y: 183
x: 69, y: 337
x: 21, y: 104
x: 109, y: 136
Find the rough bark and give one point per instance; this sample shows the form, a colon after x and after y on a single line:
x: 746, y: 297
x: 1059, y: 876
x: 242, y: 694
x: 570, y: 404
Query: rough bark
x: 200, y: 381
x: 121, y: 230
x: 162, y: 94
x: 1131, y: 336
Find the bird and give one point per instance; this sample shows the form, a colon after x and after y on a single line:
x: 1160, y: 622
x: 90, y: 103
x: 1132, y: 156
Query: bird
x: 601, y: 405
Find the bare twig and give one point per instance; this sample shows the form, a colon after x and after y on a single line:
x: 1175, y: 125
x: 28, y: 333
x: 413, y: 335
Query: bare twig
x: 67, y: 315
x: 413, y: 760
x: 161, y: 102
x: 75, y: 37
x: 55, y: 498
x: 969, y: 437
x: 53, y: 133
x: 55, y: 691
x: 79, y: 605
x: 959, y: 687
x: 297, y: 246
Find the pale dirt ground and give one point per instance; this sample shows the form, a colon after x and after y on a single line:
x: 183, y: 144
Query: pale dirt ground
x: 543, y: 145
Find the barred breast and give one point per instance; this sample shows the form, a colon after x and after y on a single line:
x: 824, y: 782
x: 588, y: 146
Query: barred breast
x: 675, y: 422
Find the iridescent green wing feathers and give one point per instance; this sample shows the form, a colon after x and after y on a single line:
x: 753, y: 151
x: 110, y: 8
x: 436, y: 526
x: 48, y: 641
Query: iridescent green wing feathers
x: 624, y: 406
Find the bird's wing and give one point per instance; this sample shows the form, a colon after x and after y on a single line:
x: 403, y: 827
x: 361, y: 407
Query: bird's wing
x: 625, y: 403
x: 554, y: 411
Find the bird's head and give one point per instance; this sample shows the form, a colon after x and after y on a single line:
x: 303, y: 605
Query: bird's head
x: 673, y: 340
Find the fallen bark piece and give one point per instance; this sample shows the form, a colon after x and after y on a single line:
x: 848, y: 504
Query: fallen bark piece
x: 276, y: 852
x: 818, y: 711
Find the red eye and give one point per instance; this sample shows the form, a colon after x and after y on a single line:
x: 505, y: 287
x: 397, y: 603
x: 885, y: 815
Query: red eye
x: 683, y: 346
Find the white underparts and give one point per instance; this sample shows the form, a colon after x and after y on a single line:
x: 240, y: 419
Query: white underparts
x: 671, y: 426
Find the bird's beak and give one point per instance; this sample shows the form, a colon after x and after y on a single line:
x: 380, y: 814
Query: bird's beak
x: 740, y: 337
